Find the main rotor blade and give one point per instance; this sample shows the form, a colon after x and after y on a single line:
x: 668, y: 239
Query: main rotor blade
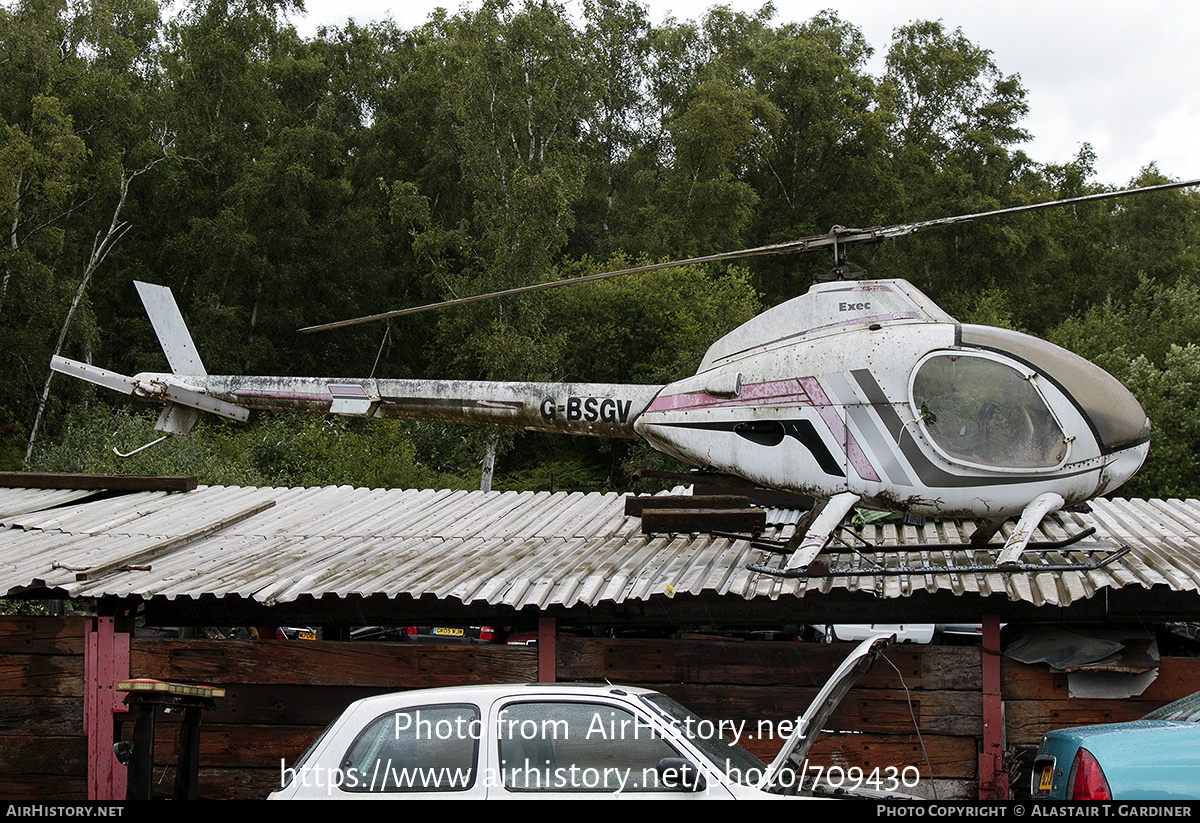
x: 904, y: 229
x: 780, y: 248
x: 837, y: 236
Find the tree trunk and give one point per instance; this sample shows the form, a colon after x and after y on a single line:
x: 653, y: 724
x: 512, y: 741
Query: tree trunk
x: 101, y: 246
x: 489, y: 461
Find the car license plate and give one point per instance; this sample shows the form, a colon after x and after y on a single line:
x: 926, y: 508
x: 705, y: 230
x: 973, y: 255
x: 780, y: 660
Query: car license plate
x: 449, y: 632
x: 1046, y: 781
x: 306, y: 635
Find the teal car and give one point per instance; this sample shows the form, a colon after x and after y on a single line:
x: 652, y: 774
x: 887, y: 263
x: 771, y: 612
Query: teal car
x: 1155, y: 758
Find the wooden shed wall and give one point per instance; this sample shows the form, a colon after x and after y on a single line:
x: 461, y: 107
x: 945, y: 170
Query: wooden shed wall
x: 43, y: 750
x: 280, y: 694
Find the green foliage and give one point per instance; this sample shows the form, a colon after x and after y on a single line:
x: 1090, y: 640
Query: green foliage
x: 555, y: 475
x: 1170, y: 394
x: 647, y: 328
x: 947, y: 94
x: 272, y: 451
x: 1148, y: 343
x: 23, y: 608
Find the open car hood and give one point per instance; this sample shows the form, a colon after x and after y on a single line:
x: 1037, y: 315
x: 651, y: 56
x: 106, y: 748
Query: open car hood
x: 813, y: 720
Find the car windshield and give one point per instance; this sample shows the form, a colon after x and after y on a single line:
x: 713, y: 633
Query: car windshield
x: 737, y: 763
x: 1185, y: 710
x: 298, y: 766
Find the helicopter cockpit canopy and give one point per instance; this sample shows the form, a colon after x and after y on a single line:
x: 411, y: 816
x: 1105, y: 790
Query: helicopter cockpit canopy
x: 981, y: 411
x: 1112, y: 412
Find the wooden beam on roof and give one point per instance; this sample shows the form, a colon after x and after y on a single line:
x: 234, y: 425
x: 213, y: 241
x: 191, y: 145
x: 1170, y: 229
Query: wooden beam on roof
x: 138, y: 559
x: 110, y: 482
x: 660, y: 521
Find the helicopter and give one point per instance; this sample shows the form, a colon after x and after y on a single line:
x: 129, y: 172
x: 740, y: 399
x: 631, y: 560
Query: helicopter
x: 857, y: 393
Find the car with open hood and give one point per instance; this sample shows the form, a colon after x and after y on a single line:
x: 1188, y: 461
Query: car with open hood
x: 542, y: 741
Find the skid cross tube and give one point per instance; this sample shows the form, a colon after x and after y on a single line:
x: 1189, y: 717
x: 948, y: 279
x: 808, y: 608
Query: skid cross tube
x: 873, y: 569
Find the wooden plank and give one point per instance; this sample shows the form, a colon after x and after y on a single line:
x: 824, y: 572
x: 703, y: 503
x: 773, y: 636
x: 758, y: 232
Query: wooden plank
x: 635, y: 505
x: 42, y: 635
x: 659, y: 521
x: 950, y: 757
x: 924, y: 667
x: 1037, y: 700
x: 43, y: 789
x: 1026, y: 681
x: 286, y: 705
x: 41, y: 675
x: 164, y: 546
x: 212, y: 783
x: 946, y: 667
x: 41, y: 716
x: 317, y: 663
x: 236, y: 784
x: 438, y: 665
x: 940, y: 712
x: 761, y: 708
x: 761, y: 662
x: 622, y: 660
x: 112, y: 482
x: 43, y: 755
x: 1177, y: 677
x: 954, y: 713
x: 223, y: 745
x: 1026, y: 721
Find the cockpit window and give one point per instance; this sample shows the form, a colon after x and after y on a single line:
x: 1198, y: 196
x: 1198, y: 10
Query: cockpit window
x: 980, y: 411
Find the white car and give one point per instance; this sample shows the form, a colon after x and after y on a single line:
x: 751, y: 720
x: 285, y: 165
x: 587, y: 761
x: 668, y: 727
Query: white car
x: 904, y: 632
x: 558, y: 741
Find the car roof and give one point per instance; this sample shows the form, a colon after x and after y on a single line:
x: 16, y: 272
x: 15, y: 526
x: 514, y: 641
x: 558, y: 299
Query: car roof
x: 807, y: 730
x: 496, y: 691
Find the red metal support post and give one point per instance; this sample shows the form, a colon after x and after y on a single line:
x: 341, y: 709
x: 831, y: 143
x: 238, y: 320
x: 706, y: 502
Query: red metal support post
x: 993, y: 779
x: 105, y: 661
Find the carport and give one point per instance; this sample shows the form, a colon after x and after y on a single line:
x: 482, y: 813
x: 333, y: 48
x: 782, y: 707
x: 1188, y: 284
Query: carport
x: 177, y: 554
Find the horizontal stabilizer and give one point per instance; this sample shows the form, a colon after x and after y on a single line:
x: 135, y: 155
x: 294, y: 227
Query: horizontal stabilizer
x: 159, y: 388
x: 203, y: 402
x: 93, y: 374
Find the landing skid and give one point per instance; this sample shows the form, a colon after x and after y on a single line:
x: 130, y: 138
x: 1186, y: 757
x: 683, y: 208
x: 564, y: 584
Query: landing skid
x: 846, y: 540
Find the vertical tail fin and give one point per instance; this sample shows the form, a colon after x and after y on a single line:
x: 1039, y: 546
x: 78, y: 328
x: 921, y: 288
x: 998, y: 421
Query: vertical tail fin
x: 172, y: 332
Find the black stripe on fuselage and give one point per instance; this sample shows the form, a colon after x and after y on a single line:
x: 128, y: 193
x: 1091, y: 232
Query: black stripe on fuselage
x: 771, y: 433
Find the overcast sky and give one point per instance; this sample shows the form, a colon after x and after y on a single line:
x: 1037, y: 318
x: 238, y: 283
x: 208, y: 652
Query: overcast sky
x: 1120, y: 75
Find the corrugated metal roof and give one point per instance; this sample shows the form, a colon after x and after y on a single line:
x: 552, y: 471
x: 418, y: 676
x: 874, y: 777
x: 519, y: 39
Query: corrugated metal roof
x: 272, y: 545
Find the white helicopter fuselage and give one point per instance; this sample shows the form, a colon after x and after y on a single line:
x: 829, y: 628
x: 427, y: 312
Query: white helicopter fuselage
x: 870, y: 389
x: 854, y: 393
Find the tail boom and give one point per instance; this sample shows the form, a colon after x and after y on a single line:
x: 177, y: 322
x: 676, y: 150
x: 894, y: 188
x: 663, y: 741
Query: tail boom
x: 599, y: 409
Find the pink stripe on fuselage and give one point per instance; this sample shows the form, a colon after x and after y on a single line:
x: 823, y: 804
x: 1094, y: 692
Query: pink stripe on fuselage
x: 753, y: 394
x: 854, y: 453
